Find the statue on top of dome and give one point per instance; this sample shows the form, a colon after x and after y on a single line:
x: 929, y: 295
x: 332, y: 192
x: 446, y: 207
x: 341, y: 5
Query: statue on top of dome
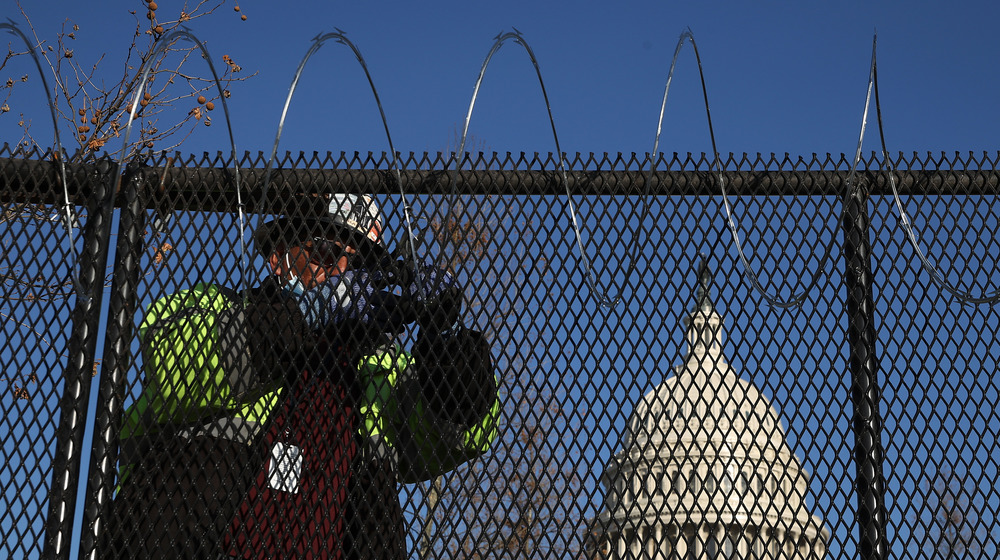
x: 703, y: 294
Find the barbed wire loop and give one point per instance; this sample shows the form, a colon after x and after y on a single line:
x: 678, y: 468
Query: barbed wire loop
x: 907, y: 224
x: 340, y: 37
x: 69, y: 217
x: 161, y: 46
x: 773, y: 300
x: 517, y: 37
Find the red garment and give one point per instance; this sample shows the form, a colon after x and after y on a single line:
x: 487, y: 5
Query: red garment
x: 296, y: 507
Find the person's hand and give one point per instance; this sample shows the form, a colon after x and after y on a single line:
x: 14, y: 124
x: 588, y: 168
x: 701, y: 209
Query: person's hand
x: 437, y: 299
x: 431, y: 297
x: 351, y: 310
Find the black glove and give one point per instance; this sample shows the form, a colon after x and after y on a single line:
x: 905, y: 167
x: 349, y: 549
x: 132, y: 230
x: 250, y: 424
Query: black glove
x: 455, y: 369
x: 456, y: 375
x: 430, y: 296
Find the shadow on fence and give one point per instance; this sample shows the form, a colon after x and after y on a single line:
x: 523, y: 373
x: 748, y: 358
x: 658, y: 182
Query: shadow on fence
x: 690, y: 420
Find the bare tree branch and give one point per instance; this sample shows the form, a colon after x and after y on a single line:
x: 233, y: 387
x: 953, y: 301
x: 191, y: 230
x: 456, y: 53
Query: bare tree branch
x: 952, y: 521
x: 93, y: 111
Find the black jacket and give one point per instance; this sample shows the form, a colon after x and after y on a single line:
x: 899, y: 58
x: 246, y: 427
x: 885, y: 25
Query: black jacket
x: 190, y: 486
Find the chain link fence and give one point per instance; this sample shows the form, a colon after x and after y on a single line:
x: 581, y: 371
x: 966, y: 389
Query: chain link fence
x: 697, y: 417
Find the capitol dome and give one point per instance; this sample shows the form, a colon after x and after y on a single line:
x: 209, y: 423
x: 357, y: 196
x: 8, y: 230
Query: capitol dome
x: 704, y: 466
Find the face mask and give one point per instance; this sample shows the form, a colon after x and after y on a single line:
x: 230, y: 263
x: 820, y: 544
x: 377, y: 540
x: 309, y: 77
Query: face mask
x: 294, y: 284
x: 345, y: 296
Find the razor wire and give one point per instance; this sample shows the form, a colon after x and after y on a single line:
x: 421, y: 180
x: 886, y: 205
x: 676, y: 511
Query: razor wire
x: 905, y: 222
x: 159, y: 48
x: 687, y: 36
x: 904, y: 218
x: 318, y: 42
x: 518, y: 38
x: 59, y: 154
x: 794, y: 300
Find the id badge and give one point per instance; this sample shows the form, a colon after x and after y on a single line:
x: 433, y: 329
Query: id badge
x: 285, y: 467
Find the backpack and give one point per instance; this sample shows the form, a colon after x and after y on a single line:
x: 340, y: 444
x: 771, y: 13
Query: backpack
x: 194, y: 364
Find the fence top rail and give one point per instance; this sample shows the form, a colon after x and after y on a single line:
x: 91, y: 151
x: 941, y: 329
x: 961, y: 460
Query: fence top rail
x: 208, y: 183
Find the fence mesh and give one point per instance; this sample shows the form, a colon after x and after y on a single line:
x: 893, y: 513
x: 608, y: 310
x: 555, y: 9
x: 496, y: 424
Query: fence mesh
x: 692, y: 419
x: 36, y: 316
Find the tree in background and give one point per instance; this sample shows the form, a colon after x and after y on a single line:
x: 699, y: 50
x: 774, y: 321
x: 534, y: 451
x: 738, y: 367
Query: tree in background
x: 950, y: 518
x: 519, y: 500
x: 93, y: 95
x: 96, y: 113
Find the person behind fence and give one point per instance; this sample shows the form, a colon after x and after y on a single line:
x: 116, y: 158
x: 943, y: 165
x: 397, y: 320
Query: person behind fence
x: 278, y: 423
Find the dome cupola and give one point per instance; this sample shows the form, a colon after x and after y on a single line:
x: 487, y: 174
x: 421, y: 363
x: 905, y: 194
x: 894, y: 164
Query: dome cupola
x: 705, y: 454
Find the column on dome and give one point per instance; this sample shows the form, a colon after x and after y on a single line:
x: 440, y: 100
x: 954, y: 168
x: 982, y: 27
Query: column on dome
x: 719, y: 535
x: 662, y: 541
x: 775, y: 538
x: 681, y: 543
x: 818, y: 547
x: 758, y: 543
x: 801, y: 546
x: 668, y: 542
x: 654, y: 543
x: 744, y: 546
x: 730, y: 543
x: 713, y: 541
x: 638, y: 542
x: 634, y: 547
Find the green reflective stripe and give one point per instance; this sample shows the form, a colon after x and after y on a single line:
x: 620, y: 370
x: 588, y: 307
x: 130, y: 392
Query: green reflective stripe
x: 427, y: 446
x: 134, y: 423
x: 480, y: 436
x: 186, y: 380
x: 378, y: 375
x: 180, y: 355
x: 438, y: 447
x: 259, y: 410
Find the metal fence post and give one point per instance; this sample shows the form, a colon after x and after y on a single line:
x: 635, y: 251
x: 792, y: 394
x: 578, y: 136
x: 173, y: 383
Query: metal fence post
x: 865, y: 390
x: 116, y: 361
x: 79, y: 370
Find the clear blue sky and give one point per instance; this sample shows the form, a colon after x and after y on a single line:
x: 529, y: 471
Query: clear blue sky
x: 782, y: 76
